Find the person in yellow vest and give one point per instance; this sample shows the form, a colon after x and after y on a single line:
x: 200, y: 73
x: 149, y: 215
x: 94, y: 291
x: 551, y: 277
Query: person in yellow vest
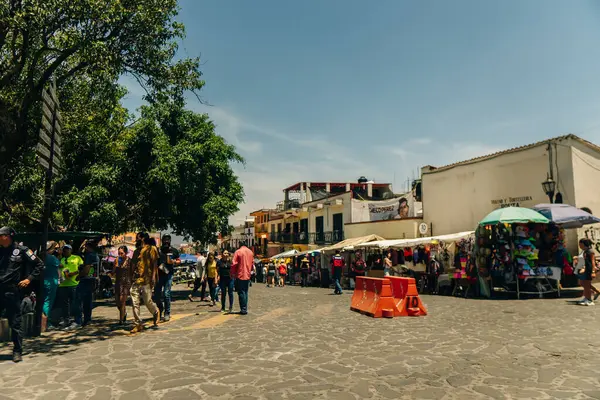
x: 67, y: 289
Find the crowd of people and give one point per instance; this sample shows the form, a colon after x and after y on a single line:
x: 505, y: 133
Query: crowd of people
x: 69, y: 280
x: 279, y: 273
x: 148, y: 277
x: 224, y: 274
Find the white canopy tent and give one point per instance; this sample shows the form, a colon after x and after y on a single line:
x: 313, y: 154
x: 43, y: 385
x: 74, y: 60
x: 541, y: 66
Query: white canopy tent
x: 303, y: 253
x: 350, y: 244
x: 285, y: 254
x: 402, y: 243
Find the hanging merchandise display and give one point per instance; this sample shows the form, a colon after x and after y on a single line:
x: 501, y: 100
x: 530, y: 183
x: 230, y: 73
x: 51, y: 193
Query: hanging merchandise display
x: 526, y: 258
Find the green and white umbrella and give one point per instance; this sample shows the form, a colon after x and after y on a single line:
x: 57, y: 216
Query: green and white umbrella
x: 511, y: 215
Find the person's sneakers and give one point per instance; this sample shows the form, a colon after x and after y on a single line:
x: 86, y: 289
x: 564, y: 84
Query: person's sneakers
x: 596, y: 296
x: 190, y: 298
x: 137, y: 329
x: 73, y: 326
x: 585, y: 302
x: 167, y: 318
x: 223, y: 311
x: 63, y: 324
x: 17, y: 357
x: 50, y: 328
x: 156, y: 318
x: 230, y: 311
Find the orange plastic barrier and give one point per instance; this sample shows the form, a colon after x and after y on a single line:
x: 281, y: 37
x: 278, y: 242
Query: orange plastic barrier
x: 373, y: 297
x: 406, y: 296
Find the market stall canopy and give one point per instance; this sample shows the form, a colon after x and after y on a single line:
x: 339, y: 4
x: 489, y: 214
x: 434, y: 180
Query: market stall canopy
x: 351, y: 243
x: 566, y: 215
x: 512, y: 215
x: 32, y: 239
x: 285, y: 254
x: 402, y: 243
x: 303, y: 253
x: 60, y: 236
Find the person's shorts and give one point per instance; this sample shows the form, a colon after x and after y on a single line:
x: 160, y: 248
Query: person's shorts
x: 271, y: 273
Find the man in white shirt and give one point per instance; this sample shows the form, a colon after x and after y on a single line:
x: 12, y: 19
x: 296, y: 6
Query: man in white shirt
x: 200, y: 277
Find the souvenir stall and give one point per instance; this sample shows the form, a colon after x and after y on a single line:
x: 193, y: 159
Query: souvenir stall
x: 430, y: 260
x: 516, y: 252
x: 567, y: 217
x: 314, y: 260
x: 347, y: 248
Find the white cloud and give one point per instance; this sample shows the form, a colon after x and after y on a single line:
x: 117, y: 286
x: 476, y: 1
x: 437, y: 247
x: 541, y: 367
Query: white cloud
x: 300, y: 157
x: 420, y: 141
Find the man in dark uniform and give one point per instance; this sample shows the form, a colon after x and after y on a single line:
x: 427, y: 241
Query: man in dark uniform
x: 18, y: 268
x: 169, y: 258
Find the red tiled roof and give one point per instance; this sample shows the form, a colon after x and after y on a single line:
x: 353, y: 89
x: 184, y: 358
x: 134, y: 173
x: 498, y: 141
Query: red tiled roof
x: 514, y: 150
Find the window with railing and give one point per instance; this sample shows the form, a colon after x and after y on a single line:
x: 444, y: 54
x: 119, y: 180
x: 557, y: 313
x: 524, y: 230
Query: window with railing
x: 331, y: 237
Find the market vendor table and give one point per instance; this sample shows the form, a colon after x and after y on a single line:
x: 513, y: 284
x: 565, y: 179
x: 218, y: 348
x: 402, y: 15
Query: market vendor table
x: 543, y: 283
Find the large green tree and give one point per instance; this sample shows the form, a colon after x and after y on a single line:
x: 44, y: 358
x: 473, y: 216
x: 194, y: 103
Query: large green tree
x: 42, y: 40
x: 185, y: 171
x: 167, y: 168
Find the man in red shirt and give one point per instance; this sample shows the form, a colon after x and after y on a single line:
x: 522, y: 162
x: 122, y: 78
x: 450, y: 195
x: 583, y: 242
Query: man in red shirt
x: 337, y: 265
x: 241, y: 271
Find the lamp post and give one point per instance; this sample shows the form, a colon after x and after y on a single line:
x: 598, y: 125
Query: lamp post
x: 549, y: 187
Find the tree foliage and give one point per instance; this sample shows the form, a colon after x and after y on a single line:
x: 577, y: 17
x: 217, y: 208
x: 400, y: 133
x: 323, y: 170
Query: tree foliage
x: 167, y: 168
x: 63, y: 39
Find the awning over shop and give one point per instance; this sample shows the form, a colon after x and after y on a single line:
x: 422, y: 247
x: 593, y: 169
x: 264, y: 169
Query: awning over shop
x: 285, y: 254
x: 348, y: 244
x: 59, y: 236
x: 402, y: 243
x: 303, y: 253
x: 32, y: 239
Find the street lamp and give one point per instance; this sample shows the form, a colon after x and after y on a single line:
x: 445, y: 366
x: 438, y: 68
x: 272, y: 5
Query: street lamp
x: 549, y: 187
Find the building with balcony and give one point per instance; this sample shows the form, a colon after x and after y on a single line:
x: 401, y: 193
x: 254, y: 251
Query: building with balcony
x: 128, y: 239
x: 241, y: 234
x: 315, y: 214
x: 262, y: 234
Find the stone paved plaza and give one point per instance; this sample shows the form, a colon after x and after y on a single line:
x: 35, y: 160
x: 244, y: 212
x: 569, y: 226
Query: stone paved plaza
x: 306, y: 344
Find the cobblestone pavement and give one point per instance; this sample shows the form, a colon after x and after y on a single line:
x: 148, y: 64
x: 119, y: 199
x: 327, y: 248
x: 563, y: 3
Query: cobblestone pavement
x: 305, y: 344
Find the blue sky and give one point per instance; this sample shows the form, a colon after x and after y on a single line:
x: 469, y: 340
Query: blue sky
x: 330, y: 90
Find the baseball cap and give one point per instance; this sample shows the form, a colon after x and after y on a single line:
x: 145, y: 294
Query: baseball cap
x: 68, y: 246
x: 7, y: 230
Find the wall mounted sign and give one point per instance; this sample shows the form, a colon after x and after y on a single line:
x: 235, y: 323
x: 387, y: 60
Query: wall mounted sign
x: 511, y: 201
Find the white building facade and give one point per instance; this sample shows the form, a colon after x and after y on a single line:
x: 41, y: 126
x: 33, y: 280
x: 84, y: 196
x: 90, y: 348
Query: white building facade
x: 457, y: 196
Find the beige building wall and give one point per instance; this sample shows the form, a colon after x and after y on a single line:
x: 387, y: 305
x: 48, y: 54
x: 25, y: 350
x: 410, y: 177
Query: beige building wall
x: 393, y: 229
x: 329, y: 208
x: 586, y: 167
x: 456, y: 198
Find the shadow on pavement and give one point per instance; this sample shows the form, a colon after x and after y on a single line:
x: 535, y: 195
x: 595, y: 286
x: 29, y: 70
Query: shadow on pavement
x: 56, y: 343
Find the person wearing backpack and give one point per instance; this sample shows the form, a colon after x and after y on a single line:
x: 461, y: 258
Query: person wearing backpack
x: 337, y: 265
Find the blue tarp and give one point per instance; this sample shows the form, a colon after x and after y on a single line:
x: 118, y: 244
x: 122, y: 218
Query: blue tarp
x: 188, y: 258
